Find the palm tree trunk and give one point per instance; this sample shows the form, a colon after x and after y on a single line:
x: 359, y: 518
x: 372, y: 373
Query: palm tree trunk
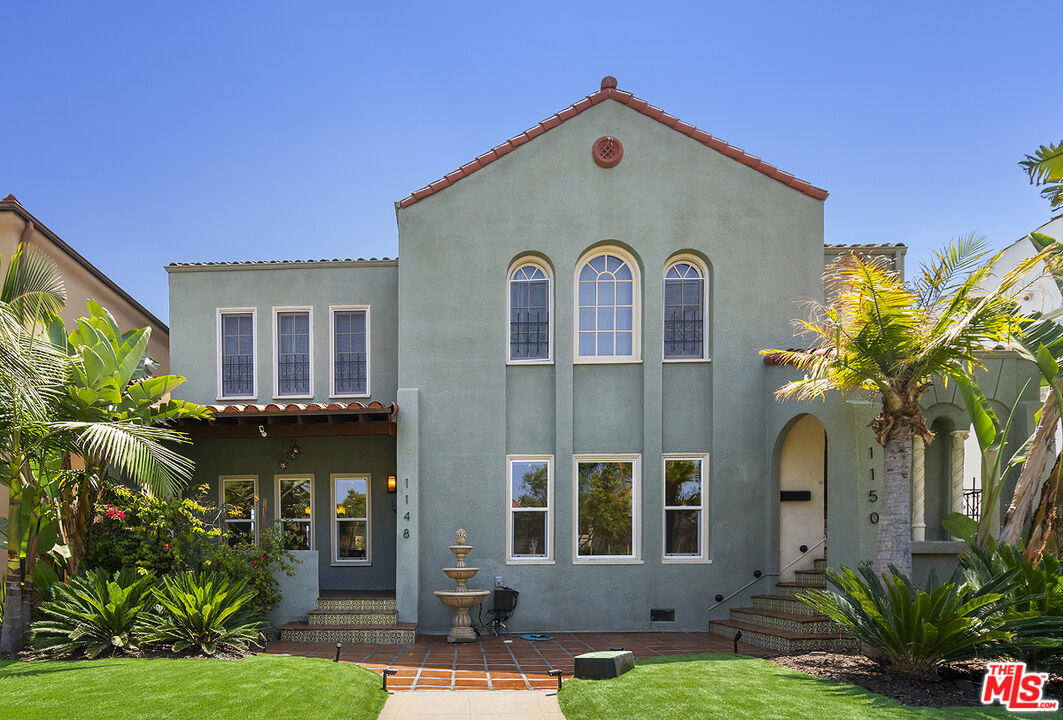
x: 1032, y: 474
x: 894, y: 545
x: 1043, y: 525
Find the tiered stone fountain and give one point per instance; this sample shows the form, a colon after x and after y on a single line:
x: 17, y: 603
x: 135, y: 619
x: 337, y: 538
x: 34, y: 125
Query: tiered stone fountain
x: 461, y: 598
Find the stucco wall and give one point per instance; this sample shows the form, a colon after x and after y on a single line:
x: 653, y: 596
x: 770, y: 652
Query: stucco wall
x: 763, y: 244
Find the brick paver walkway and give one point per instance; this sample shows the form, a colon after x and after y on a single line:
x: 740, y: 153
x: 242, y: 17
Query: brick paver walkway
x: 492, y: 664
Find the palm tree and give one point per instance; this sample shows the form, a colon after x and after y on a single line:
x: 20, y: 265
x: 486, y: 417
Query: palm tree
x: 888, y: 339
x: 1045, y: 167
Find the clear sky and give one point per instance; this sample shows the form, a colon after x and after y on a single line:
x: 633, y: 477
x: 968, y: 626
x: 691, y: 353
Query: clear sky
x: 146, y: 133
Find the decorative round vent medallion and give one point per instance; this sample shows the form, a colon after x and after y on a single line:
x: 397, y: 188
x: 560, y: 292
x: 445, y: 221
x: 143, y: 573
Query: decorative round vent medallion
x: 607, y: 151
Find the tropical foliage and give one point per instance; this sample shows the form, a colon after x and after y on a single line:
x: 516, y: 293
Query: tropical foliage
x: 917, y: 630
x: 93, y: 614
x: 204, y: 611
x: 1045, y: 167
x: 881, y: 337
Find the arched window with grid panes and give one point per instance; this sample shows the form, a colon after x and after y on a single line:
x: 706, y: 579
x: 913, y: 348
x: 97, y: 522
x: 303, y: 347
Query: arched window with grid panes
x: 530, y: 306
x: 685, y: 310
x: 607, y: 321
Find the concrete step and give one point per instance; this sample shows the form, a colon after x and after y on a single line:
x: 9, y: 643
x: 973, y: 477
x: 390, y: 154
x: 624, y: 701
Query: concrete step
x: 781, y: 603
x: 815, y: 578
x: 356, y: 601
x: 398, y: 634
x: 781, y: 640
x: 791, y: 589
x: 352, y: 619
x: 790, y: 622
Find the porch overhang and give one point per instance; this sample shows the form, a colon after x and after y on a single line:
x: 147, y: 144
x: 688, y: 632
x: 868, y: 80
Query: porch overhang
x: 289, y: 420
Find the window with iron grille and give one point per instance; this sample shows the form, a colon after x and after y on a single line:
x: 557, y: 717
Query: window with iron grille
x: 529, y: 314
x: 293, y: 353
x: 237, y: 354
x: 684, y: 313
x: 350, y: 352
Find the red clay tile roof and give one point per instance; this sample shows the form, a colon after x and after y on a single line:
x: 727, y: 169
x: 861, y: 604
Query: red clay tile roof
x: 282, y: 262
x: 609, y: 92
x: 305, y: 408
x: 865, y: 245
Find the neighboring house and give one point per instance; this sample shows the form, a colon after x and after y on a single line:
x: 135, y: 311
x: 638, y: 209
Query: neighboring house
x: 565, y: 363
x: 83, y: 281
x: 1043, y: 293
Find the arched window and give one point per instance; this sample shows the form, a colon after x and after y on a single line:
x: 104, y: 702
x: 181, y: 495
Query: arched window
x: 684, y: 311
x: 529, y: 313
x: 607, y: 322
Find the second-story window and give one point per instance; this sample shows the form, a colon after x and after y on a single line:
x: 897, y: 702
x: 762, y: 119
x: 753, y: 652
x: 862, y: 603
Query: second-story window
x: 293, y: 353
x: 529, y: 314
x: 350, y: 351
x: 237, y: 361
x: 607, y: 314
x: 684, y: 312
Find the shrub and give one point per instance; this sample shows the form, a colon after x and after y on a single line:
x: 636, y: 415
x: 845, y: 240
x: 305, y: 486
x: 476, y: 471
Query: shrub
x: 916, y: 630
x: 207, y: 611
x: 92, y: 614
x: 256, y: 563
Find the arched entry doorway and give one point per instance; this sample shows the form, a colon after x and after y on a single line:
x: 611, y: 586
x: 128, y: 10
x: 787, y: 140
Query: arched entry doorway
x: 803, y: 494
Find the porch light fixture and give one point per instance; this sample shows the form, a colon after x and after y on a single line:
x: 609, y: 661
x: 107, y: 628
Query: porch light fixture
x: 393, y: 484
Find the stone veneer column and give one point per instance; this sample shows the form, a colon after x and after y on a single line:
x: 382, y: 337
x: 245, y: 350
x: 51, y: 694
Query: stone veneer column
x: 959, y: 437
x: 918, y: 489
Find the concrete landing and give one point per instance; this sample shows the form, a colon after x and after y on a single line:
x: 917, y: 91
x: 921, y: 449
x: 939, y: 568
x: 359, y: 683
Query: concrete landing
x: 472, y: 705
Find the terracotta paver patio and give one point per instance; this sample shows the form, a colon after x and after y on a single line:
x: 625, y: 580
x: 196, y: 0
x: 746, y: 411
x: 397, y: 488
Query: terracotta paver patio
x: 491, y: 664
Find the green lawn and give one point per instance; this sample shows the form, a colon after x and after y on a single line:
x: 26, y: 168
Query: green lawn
x: 255, y: 688
x: 734, y: 686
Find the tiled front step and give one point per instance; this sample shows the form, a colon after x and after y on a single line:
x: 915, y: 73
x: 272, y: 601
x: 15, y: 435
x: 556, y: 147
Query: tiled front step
x: 779, y: 603
x: 354, y: 619
x: 820, y: 564
x: 356, y: 602
x: 790, y: 622
x: 791, y: 589
x: 780, y: 640
x: 811, y: 577
x: 398, y: 634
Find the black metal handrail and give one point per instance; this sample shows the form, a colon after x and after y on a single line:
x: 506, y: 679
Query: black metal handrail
x: 757, y: 575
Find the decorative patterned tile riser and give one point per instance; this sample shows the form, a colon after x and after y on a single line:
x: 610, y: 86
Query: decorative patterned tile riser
x: 811, y: 577
x: 820, y: 565
x: 777, y: 623
x: 354, y: 635
x: 356, y: 619
x: 784, y: 645
x: 786, y: 605
x: 355, y: 605
x: 789, y: 591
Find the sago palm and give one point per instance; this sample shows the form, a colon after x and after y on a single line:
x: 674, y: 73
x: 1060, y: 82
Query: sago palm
x: 888, y: 339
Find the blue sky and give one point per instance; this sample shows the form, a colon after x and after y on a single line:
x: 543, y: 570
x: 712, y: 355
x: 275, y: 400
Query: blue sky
x: 145, y: 133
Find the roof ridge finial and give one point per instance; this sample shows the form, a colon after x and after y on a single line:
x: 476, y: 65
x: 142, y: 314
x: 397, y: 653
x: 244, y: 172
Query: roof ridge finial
x: 608, y: 82
x: 10, y: 198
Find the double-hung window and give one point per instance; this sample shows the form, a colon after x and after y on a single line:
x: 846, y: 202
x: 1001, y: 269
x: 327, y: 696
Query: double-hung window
x: 350, y: 522
x: 350, y: 351
x: 236, y: 354
x: 293, y: 357
x: 239, y: 504
x: 607, y: 320
x: 606, y: 492
x: 529, y: 314
x: 685, y: 493
x: 530, y: 500
x: 684, y: 312
x: 295, y: 510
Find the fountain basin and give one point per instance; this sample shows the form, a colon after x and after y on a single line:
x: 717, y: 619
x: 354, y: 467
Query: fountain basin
x: 464, y: 600
x: 460, y: 573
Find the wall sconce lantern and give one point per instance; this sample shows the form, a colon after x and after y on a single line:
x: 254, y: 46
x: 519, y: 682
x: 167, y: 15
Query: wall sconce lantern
x: 393, y: 484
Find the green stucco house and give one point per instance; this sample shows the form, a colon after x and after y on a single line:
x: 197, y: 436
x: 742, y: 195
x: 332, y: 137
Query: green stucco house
x: 564, y: 362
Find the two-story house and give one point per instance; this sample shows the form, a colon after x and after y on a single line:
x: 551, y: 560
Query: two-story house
x: 564, y: 363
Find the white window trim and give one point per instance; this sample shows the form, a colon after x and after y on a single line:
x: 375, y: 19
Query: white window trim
x: 700, y: 265
x: 702, y: 558
x: 277, y: 501
x: 336, y: 561
x: 636, y: 514
x: 309, y: 310
x: 548, y: 558
x: 636, y: 310
x: 332, y: 310
x: 521, y: 262
x: 256, y: 520
x: 254, y: 352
